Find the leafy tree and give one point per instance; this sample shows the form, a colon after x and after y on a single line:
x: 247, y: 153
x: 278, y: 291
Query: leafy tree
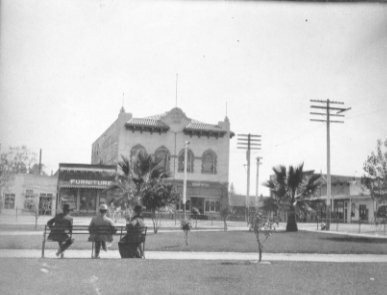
x: 375, y: 168
x: 156, y: 195
x: 225, y: 209
x: 292, y: 188
x: 36, y: 170
x: 260, y: 226
x: 18, y: 159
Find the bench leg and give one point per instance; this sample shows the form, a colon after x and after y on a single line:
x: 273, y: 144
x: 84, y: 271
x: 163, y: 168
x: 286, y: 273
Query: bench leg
x: 44, y: 241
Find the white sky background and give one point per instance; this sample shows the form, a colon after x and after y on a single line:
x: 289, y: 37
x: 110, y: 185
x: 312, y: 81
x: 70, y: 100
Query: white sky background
x: 65, y: 64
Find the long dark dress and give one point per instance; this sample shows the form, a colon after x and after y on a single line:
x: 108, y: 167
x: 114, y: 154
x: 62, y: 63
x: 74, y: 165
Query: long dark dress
x: 130, y: 244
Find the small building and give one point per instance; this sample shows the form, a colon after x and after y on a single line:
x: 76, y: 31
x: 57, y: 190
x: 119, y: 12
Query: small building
x: 351, y: 201
x: 24, y: 193
x: 84, y: 186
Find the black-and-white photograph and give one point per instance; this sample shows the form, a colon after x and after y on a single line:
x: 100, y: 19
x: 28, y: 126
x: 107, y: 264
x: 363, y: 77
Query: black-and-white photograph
x: 193, y: 147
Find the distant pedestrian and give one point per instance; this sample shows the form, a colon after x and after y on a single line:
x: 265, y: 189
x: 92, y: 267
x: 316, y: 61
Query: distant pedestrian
x: 101, y: 230
x: 61, y: 226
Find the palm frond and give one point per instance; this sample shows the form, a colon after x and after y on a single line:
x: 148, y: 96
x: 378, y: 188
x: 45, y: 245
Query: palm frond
x: 124, y: 164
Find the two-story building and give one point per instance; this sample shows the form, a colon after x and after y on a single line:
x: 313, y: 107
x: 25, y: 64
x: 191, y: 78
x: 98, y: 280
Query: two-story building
x: 165, y: 136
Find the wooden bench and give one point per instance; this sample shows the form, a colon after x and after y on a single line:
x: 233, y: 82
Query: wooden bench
x: 84, y: 229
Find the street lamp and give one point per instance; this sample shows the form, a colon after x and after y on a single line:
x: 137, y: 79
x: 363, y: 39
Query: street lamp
x: 186, y: 144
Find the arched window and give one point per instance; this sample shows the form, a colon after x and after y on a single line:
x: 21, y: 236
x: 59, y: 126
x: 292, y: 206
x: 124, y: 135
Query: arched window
x: 190, y: 161
x: 209, y: 162
x: 162, y: 156
x: 135, y: 151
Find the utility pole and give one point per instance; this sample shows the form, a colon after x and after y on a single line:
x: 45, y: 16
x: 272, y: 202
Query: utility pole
x: 326, y: 112
x: 185, y: 177
x: 248, y: 142
x: 257, y: 181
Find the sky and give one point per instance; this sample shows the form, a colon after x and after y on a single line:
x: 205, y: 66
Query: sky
x: 67, y: 67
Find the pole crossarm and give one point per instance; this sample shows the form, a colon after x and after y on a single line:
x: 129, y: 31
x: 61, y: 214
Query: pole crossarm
x: 324, y: 114
x: 331, y: 121
x: 251, y: 135
x: 326, y: 100
x: 251, y: 144
x: 246, y: 140
x: 330, y: 108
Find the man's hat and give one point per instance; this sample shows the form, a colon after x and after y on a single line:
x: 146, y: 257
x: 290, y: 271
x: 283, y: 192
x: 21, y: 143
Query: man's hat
x: 66, y: 208
x: 103, y: 207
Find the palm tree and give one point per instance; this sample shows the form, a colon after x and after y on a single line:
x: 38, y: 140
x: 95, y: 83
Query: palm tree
x: 146, y: 170
x: 148, y: 175
x: 292, y: 188
x: 124, y: 186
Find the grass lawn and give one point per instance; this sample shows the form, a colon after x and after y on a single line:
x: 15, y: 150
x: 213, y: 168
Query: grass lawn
x: 74, y: 276
x: 241, y: 241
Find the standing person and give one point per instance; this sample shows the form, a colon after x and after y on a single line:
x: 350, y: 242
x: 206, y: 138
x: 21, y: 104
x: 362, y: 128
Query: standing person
x: 101, y: 230
x: 61, y: 226
x: 132, y: 245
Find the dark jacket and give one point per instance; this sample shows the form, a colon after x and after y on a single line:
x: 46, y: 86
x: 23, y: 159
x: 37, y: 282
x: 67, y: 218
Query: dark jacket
x: 60, y: 225
x: 135, y: 230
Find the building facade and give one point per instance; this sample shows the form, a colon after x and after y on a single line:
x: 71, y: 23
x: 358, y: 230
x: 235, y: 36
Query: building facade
x: 164, y: 136
x: 84, y: 186
x: 24, y: 193
x: 351, y: 201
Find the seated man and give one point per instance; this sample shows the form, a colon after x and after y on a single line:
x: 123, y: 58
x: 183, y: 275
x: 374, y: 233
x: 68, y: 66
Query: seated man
x: 61, y: 225
x: 132, y: 244
x: 101, y: 230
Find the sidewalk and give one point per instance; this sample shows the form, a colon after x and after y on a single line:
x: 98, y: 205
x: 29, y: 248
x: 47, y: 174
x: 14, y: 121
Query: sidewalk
x: 167, y: 225
x: 223, y: 256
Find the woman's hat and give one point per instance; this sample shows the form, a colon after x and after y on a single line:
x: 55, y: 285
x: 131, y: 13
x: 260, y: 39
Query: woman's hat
x: 103, y: 207
x: 137, y: 209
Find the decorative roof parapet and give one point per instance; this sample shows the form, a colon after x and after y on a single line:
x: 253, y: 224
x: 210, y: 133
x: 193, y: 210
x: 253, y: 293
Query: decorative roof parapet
x: 146, y: 124
x: 156, y: 123
x: 199, y: 128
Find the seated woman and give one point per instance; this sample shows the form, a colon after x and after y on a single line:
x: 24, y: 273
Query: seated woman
x: 132, y: 244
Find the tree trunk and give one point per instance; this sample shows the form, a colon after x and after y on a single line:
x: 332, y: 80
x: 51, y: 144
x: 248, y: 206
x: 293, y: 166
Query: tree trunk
x: 225, y: 224
x: 186, y: 237
x: 291, y: 224
x: 259, y: 245
x: 154, y: 220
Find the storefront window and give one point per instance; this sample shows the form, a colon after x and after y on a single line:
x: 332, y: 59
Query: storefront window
x: 88, y: 200
x: 45, y: 204
x: 9, y: 201
x: 363, y: 212
x: 69, y: 196
x: 29, y: 199
x: 212, y: 206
